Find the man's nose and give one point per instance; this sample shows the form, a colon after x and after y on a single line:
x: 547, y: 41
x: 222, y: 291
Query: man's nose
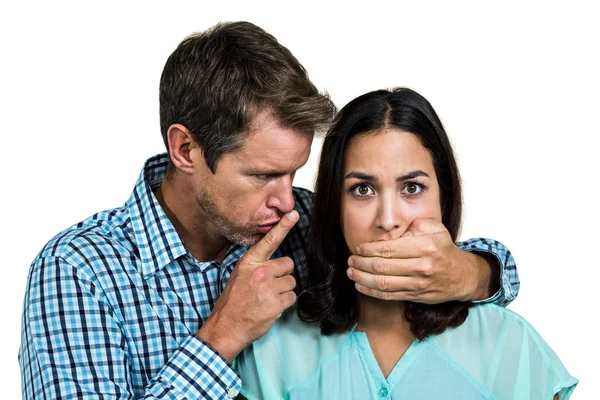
x: 282, y: 197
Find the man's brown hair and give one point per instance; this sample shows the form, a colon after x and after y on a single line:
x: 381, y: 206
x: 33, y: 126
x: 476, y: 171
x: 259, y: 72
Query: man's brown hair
x: 218, y: 80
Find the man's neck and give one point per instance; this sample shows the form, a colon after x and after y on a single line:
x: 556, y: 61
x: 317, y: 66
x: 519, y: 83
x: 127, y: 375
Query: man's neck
x: 196, y: 231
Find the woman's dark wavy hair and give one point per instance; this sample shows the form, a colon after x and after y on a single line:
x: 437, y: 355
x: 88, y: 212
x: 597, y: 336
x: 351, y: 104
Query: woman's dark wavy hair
x: 331, y: 299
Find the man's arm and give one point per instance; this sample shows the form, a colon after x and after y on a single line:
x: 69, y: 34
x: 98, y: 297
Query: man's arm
x: 426, y: 266
x: 500, y: 284
x: 73, y: 346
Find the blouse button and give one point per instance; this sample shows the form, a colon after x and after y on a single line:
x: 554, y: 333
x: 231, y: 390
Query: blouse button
x: 383, y: 392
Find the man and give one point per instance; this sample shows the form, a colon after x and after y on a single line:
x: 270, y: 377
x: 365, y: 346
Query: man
x: 155, y: 299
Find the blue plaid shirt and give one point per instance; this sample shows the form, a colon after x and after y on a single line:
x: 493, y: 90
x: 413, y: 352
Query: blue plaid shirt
x: 113, y: 304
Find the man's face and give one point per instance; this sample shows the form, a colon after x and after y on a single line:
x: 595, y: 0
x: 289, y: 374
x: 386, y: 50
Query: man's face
x: 251, y: 188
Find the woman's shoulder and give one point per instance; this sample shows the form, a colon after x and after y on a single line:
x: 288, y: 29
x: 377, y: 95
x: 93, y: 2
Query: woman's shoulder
x: 494, y: 318
x: 290, y: 352
x: 495, y: 344
x: 490, y: 329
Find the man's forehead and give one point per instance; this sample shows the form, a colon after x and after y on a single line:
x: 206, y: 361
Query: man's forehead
x: 273, y: 152
x: 283, y: 140
x: 273, y: 155
x: 266, y: 120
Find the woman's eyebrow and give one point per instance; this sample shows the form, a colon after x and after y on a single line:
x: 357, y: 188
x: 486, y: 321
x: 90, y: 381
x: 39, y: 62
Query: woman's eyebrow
x: 361, y: 176
x: 412, y: 175
x: 366, y: 177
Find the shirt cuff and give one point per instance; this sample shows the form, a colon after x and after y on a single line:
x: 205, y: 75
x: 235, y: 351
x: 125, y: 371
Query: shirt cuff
x: 499, y: 296
x: 480, y: 245
x: 197, y: 371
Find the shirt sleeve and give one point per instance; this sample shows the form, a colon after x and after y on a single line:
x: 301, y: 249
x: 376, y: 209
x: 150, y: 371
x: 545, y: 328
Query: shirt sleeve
x: 530, y: 364
x: 73, y: 346
x: 509, y: 278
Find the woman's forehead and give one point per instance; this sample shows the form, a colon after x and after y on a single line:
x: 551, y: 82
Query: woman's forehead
x: 391, y: 149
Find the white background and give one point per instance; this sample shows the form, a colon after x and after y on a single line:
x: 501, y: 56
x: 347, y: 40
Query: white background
x: 516, y: 85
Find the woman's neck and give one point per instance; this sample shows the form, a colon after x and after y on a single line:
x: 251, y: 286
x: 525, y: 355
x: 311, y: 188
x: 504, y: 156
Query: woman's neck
x: 378, y: 315
x: 387, y: 330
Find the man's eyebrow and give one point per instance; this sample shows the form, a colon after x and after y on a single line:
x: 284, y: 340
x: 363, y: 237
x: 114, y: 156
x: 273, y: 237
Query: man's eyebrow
x: 267, y: 171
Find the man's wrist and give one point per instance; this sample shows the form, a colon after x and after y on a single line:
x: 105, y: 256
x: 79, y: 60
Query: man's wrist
x: 487, y: 276
x: 221, y: 339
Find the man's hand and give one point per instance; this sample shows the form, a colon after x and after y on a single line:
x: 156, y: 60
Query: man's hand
x: 257, y: 293
x: 424, y: 265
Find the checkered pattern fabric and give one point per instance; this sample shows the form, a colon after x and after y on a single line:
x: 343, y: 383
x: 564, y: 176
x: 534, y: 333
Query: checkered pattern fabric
x: 113, y: 303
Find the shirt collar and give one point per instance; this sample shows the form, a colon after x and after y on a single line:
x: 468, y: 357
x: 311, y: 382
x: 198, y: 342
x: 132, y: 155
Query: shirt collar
x: 158, y: 241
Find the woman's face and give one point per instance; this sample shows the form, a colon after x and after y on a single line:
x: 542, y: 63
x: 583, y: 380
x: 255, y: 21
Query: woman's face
x: 389, y: 181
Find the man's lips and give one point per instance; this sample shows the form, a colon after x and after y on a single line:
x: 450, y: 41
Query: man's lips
x: 264, y: 228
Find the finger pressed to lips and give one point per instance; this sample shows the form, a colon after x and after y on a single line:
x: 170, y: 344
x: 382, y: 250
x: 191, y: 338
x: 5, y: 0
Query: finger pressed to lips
x: 264, y: 249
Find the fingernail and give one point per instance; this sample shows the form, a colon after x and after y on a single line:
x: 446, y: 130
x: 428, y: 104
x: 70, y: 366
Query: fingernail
x: 358, y: 250
x: 349, y: 273
x: 351, y: 262
x: 357, y: 286
x: 293, y: 216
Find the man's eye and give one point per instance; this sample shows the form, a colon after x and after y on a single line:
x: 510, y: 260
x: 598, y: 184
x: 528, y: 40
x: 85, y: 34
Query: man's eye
x: 362, y: 190
x: 262, y: 176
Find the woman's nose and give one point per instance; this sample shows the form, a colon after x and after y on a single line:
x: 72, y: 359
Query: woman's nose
x: 389, y: 215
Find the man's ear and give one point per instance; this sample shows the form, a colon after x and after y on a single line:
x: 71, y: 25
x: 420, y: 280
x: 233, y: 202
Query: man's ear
x: 181, y: 143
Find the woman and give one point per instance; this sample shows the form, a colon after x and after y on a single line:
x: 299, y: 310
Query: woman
x: 385, y: 163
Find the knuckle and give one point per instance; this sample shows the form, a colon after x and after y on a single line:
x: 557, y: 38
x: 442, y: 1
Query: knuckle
x: 386, y: 250
x: 284, y: 265
x: 259, y: 274
x: 382, y: 283
x: 292, y: 282
x: 430, y: 248
x: 419, y: 224
x: 288, y: 283
x: 420, y: 285
x: 386, y: 295
x: 427, y: 270
x: 269, y: 238
x: 288, y: 262
x: 287, y: 300
x: 292, y: 297
x: 380, y: 266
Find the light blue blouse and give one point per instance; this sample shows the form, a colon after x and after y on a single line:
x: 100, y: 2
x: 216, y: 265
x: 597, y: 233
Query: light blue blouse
x: 495, y: 354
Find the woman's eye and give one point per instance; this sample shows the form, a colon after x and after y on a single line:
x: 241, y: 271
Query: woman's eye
x: 362, y: 190
x: 412, y: 188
